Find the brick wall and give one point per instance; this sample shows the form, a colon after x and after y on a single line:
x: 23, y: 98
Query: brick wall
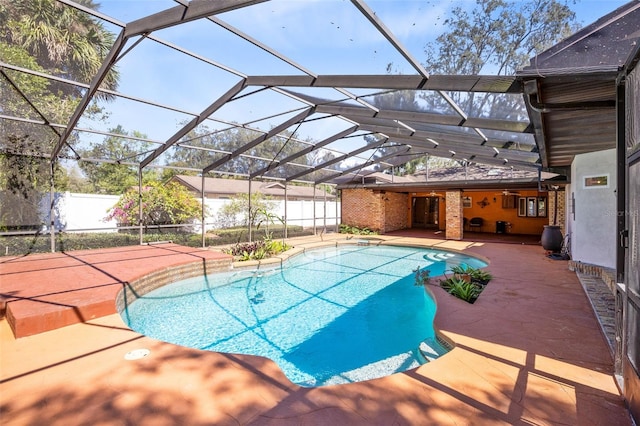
x: 376, y: 210
x: 453, y: 203
x: 560, y: 219
x: 363, y: 208
x: 396, y: 206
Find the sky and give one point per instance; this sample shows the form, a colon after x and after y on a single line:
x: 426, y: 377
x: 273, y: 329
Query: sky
x: 323, y: 36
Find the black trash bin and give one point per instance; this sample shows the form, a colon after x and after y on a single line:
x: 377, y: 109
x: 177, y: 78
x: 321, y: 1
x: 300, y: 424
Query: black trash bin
x: 501, y: 227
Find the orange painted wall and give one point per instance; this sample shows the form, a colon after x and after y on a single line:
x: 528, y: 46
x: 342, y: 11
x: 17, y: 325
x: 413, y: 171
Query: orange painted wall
x: 493, y: 212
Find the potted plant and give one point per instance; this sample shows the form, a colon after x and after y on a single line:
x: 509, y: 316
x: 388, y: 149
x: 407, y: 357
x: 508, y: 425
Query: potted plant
x: 552, y: 238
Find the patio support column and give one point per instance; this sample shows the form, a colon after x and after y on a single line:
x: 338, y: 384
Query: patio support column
x: 203, y: 212
x: 140, y: 203
x: 426, y: 165
x: 314, y: 209
x: 285, y: 234
x: 52, y: 218
x: 249, y: 215
x: 338, y: 192
x: 324, y: 209
x: 453, y: 206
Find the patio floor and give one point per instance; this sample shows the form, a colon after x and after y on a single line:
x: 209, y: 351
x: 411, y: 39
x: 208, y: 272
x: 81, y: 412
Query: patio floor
x: 529, y: 351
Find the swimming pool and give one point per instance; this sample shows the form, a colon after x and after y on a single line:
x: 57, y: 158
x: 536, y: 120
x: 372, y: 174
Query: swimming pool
x: 332, y: 315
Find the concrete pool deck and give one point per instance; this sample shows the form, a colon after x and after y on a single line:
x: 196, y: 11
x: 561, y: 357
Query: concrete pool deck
x: 529, y: 351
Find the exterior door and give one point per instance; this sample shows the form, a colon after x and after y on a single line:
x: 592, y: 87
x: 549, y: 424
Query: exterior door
x: 631, y: 332
x: 425, y: 212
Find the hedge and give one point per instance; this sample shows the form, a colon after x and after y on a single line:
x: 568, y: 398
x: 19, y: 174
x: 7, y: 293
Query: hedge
x: 41, y: 243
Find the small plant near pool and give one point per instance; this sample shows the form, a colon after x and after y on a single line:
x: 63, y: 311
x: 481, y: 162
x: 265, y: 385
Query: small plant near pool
x: 422, y: 276
x: 257, y: 250
x: 465, y: 290
x: 466, y: 283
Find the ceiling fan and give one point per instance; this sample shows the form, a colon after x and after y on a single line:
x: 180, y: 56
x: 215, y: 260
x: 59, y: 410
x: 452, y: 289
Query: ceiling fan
x: 507, y: 192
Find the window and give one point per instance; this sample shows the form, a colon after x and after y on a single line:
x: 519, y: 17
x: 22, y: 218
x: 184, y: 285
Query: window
x: 542, y: 206
x: 601, y: 181
x: 532, y: 206
x: 522, y: 206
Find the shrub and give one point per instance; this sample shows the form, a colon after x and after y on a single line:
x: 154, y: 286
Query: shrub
x: 162, y: 204
x: 241, y: 234
x: 467, y: 291
x: 475, y: 275
x: 41, y: 243
x: 348, y: 229
x: 257, y: 250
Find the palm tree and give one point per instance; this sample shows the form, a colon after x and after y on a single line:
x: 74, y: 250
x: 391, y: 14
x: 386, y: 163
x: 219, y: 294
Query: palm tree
x: 64, y: 41
x: 50, y: 37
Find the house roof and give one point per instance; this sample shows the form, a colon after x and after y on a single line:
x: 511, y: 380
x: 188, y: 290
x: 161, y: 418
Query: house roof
x: 478, y: 176
x: 231, y: 187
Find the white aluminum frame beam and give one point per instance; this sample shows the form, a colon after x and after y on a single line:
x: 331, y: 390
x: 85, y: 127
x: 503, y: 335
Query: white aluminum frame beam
x: 279, y: 128
x: 221, y: 101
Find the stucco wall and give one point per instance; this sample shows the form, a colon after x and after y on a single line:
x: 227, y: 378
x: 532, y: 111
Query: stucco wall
x: 593, y: 222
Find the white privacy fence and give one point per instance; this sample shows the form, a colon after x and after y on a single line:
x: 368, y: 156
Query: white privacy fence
x: 75, y: 212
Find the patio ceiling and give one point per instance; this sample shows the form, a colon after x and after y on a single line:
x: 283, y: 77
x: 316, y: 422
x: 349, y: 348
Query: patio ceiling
x: 323, y: 120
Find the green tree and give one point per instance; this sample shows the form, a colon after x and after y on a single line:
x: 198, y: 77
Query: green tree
x: 44, y: 36
x: 202, y: 146
x: 25, y: 176
x: 50, y: 37
x: 114, y: 177
x: 162, y: 204
x: 496, y: 37
x: 64, y: 41
x: 238, y: 213
x: 78, y: 182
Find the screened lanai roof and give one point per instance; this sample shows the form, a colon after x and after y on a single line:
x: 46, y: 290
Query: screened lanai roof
x: 295, y: 91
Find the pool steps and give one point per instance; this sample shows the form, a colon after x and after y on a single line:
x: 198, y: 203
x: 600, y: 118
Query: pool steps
x: 138, y: 288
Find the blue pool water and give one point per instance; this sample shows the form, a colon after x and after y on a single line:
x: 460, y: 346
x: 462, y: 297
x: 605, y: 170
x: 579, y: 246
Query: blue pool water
x: 331, y: 315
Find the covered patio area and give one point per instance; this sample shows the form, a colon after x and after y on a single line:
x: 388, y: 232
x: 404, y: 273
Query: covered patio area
x: 529, y: 351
